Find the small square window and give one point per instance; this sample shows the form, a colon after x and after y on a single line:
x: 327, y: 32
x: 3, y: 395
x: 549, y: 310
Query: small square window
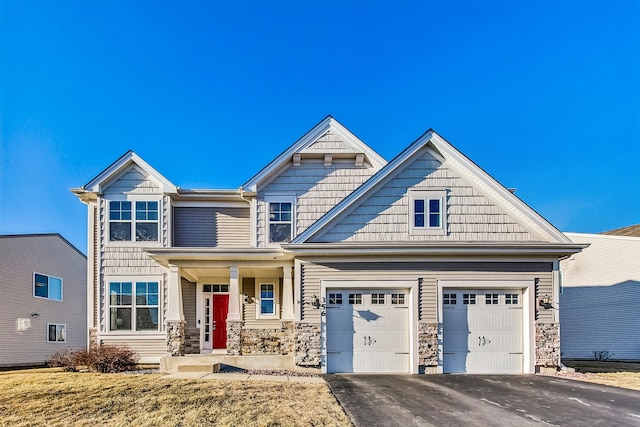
x: 335, y: 299
x: 468, y: 299
x: 355, y: 299
x: 491, y: 299
x: 511, y: 299
x: 377, y: 299
x: 397, y: 299
x: 449, y: 299
x: 427, y: 211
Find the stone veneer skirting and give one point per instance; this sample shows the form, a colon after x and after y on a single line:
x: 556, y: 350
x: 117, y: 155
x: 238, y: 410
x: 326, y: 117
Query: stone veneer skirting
x: 428, y: 344
x: 175, y: 338
x: 307, y: 344
x: 191, y: 341
x: 93, y: 337
x: 267, y: 341
x: 548, y: 344
x: 234, y: 341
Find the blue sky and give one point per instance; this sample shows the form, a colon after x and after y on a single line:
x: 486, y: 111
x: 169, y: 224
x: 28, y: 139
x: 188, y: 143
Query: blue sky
x: 545, y: 96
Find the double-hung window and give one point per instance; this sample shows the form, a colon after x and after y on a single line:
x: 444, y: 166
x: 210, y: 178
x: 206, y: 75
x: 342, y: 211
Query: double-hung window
x: 127, y: 313
x: 427, y: 212
x: 140, y: 224
x: 268, y: 306
x: 280, y: 222
x: 47, y: 287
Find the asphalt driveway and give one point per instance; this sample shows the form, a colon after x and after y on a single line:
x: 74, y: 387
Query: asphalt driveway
x: 482, y: 400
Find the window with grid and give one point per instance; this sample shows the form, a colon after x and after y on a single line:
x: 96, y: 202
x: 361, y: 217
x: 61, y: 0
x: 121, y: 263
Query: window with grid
x: 377, y: 299
x: 468, y: 299
x: 335, y: 299
x: 511, y: 299
x: 449, y: 299
x: 280, y: 222
x: 144, y: 223
x: 355, y: 299
x: 127, y: 313
x: 427, y: 211
x: 491, y: 299
x: 267, y: 299
x: 397, y: 299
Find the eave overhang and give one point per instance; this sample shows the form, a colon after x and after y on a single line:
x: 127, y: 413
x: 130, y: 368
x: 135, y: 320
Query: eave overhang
x: 436, y: 249
x: 204, y: 256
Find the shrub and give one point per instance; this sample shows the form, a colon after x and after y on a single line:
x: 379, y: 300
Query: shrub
x: 104, y: 358
x: 602, y: 355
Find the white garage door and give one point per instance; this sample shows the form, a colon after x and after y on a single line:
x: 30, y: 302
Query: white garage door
x: 482, y: 331
x: 367, y: 331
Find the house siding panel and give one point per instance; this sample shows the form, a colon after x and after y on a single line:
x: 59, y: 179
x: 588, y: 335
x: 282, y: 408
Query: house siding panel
x: 189, y: 303
x: 131, y: 182
x: 313, y: 274
x: 149, y: 348
x: 24, y: 317
x: 211, y: 227
x: 385, y: 214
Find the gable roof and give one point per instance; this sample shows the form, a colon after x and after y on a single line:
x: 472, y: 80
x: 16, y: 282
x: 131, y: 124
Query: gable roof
x: 631, y: 230
x: 125, y: 161
x: 304, y: 143
x: 466, y: 169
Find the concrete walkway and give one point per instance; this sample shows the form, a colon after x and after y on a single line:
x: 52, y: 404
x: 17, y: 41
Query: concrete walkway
x: 243, y: 377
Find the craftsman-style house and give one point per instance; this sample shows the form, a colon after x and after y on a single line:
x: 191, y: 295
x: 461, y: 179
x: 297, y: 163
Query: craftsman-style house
x: 328, y: 258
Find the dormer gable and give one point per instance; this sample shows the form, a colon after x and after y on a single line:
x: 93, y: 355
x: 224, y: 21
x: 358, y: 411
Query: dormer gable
x: 136, y: 171
x: 328, y: 141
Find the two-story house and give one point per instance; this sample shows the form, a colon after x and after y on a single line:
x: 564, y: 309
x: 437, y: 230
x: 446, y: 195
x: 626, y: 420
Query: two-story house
x: 329, y: 257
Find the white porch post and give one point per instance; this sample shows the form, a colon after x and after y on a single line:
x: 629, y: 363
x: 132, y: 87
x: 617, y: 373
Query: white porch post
x: 174, y: 296
x: 174, y: 319
x: 287, y: 294
x: 234, y: 295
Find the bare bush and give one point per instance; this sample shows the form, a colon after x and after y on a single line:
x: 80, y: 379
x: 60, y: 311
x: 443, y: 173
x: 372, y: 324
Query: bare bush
x: 602, y: 355
x: 104, y: 358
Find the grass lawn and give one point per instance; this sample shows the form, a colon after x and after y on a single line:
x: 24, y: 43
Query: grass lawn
x: 618, y: 374
x: 54, y: 398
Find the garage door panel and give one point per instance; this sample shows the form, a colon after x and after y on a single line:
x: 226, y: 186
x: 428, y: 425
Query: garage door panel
x: 371, y: 335
x: 482, y: 331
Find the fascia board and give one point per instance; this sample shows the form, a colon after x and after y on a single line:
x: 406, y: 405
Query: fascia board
x: 361, y: 191
x: 499, y: 194
x: 309, y: 138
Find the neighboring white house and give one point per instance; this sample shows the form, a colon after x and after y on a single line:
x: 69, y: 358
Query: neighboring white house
x: 328, y: 258
x: 600, y: 298
x: 43, y: 281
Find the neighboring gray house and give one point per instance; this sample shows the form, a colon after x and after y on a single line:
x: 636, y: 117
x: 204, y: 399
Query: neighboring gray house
x: 600, y: 297
x: 329, y: 258
x: 43, y: 280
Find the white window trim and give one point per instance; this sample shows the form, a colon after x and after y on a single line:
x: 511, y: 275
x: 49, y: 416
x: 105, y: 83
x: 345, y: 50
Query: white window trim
x: 133, y: 199
x: 48, y: 276
x: 65, y: 333
x: 276, y: 297
x: 133, y: 279
x: 279, y: 198
x: 419, y: 194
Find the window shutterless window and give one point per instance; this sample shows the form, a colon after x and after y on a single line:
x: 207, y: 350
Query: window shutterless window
x: 397, y: 299
x: 427, y: 211
x: 280, y: 222
x: 127, y: 313
x: 335, y: 299
x: 267, y: 299
x: 377, y: 299
x: 56, y: 332
x: 47, y: 287
x: 144, y: 222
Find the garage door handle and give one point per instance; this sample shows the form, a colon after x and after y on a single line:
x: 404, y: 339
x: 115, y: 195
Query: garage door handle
x: 333, y: 352
x: 401, y: 352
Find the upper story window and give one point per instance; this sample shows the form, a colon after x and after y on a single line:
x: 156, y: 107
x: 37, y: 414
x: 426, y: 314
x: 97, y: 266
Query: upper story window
x: 280, y: 222
x: 143, y: 225
x: 47, y: 287
x: 427, y: 212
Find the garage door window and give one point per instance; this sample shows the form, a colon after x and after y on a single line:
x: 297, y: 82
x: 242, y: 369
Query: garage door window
x: 491, y: 299
x: 355, y: 299
x: 449, y: 299
x: 468, y: 299
x: 377, y: 299
x: 397, y: 299
x: 511, y: 299
x: 335, y: 299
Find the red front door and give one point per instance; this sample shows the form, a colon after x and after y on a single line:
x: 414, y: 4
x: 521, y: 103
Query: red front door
x: 219, y: 321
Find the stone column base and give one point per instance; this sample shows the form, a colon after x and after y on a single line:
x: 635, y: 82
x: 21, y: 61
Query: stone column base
x: 175, y: 337
x: 234, y: 338
x: 307, y: 345
x: 428, y: 346
x: 547, y: 345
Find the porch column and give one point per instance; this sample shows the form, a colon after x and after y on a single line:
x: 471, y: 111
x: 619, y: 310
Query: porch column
x: 287, y: 294
x: 234, y: 295
x: 175, y: 317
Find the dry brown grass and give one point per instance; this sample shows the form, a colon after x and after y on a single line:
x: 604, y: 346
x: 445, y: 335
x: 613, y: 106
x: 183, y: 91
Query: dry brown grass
x: 53, y: 398
x: 617, y: 374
